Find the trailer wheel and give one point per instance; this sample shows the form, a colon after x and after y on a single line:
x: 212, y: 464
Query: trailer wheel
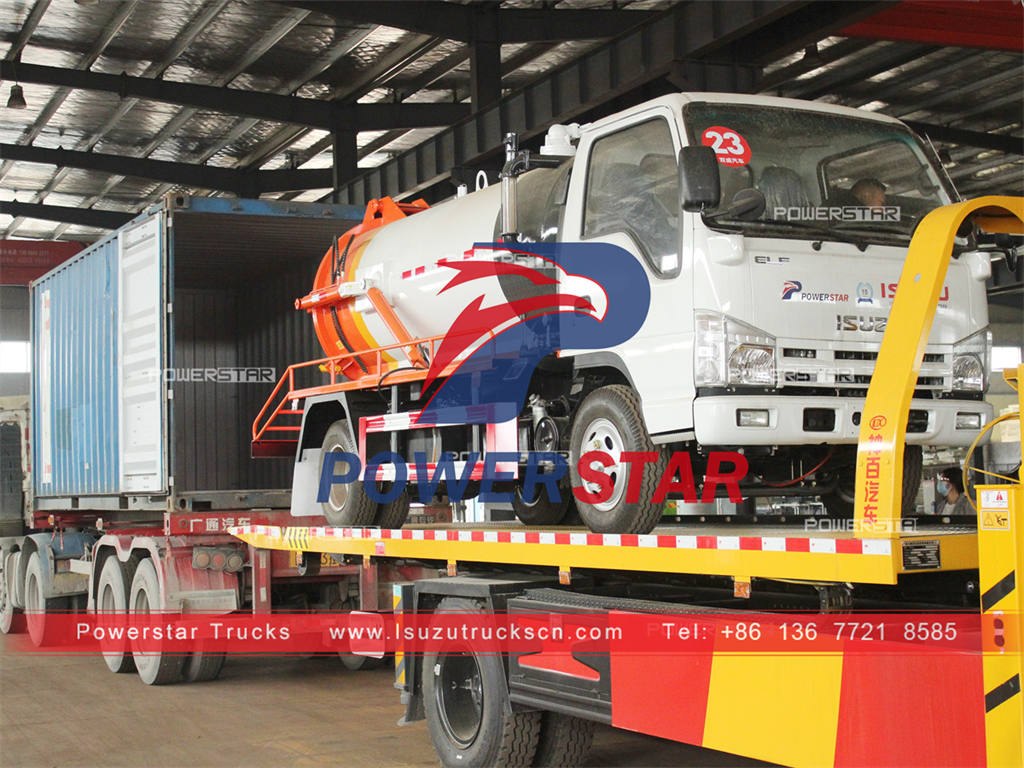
x: 37, y: 607
x: 610, y: 420
x: 202, y: 665
x: 541, y: 511
x: 393, y: 514
x: 564, y: 741
x: 6, y: 607
x: 154, y: 667
x: 465, y: 698
x: 11, y: 618
x: 348, y: 503
x: 112, y: 604
x: 840, y: 503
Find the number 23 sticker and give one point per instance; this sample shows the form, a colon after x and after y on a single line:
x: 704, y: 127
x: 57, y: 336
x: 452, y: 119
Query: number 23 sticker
x: 730, y: 148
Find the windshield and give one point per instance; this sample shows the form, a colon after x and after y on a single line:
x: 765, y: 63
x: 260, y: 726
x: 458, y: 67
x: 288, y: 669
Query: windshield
x: 820, y: 172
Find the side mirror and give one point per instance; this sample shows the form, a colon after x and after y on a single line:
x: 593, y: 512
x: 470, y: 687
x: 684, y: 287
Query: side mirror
x: 699, y: 185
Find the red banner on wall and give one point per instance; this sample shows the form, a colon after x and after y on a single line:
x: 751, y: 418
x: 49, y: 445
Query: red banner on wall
x: 25, y: 260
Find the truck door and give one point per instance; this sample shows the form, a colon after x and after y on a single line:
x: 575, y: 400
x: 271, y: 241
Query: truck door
x: 141, y: 352
x: 628, y: 195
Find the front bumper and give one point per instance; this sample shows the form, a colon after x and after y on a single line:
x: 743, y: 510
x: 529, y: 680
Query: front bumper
x: 797, y: 420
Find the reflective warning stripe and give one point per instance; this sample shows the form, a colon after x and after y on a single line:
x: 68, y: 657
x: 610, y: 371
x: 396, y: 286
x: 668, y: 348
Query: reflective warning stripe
x: 299, y: 538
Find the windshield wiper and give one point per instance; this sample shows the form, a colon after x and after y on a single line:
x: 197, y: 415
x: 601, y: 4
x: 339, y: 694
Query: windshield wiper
x: 826, y: 233
x: 872, y: 226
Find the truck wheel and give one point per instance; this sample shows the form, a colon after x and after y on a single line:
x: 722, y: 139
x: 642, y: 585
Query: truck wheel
x: 40, y: 630
x: 465, y: 699
x: 541, y: 511
x: 155, y: 667
x: 348, y: 503
x: 564, y: 741
x: 393, y: 515
x: 112, y: 604
x: 609, y: 420
x: 11, y: 618
x: 202, y: 665
x: 840, y: 503
x: 6, y: 607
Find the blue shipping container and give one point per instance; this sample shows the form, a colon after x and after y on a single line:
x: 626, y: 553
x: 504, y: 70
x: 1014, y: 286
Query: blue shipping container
x: 74, y: 383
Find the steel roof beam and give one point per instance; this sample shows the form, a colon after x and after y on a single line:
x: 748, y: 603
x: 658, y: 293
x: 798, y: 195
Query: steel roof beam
x: 800, y: 28
x: 265, y: 106
x: 807, y: 63
x: 459, y: 22
x: 386, y: 67
x: 1013, y: 145
x: 243, y: 182
x: 873, y: 62
x: 253, y: 53
x: 121, y: 15
x: 27, y: 29
x: 859, y: 94
x: 672, y: 43
x: 85, y: 217
x: 944, y: 95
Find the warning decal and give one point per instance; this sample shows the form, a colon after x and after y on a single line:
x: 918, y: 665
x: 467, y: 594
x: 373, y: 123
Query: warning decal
x: 730, y: 147
x: 995, y: 509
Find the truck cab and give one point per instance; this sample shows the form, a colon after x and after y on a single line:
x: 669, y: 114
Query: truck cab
x: 765, y: 320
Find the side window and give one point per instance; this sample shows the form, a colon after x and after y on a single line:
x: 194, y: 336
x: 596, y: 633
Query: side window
x: 633, y: 187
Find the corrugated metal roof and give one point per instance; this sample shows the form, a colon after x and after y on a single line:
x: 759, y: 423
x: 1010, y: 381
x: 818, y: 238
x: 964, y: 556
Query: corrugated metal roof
x: 263, y: 46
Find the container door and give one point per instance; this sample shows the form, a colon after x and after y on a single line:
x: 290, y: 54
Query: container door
x: 140, y: 358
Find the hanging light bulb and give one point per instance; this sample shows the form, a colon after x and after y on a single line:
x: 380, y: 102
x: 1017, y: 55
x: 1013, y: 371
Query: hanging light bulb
x: 17, y: 98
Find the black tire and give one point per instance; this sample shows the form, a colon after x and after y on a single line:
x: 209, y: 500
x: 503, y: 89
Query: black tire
x: 10, y: 618
x: 202, y: 665
x: 465, y: 699
x: 154, y: 667
x: 610, y: 419
x: 37, y: 607
x: 393, y: 514
x: 112, y: 606
x: 564, y: 741
x: 840, y: 503
x: 348, y: 504
x: 542, y: 511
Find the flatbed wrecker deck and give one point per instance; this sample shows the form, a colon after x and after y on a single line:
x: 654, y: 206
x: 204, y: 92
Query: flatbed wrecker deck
x: 768, y: 552
x: 898, y: 706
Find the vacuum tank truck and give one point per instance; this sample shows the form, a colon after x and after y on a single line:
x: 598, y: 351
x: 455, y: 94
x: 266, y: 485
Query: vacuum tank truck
x: 748, y: 248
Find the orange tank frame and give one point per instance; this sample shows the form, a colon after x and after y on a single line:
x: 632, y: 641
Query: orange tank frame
x: 333, y: 320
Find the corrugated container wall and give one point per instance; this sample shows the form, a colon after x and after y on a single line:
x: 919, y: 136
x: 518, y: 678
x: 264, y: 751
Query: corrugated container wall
x: 74, y: 382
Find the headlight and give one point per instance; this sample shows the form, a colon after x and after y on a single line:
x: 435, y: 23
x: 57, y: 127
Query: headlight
x: 729, y: 353
x: 749, y: 364
x: 971, y: 362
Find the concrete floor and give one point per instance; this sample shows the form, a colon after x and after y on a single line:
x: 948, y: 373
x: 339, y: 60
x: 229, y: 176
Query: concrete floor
x: 70, y: 711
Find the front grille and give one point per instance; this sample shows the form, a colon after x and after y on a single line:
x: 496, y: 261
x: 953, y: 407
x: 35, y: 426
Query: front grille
x: 848, y: 372
x: 852, y: 354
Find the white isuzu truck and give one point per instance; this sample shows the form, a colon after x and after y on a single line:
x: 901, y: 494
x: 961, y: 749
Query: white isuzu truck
x: 771, y: 232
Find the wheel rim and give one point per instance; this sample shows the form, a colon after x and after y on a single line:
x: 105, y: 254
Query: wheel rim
x: 146, y: 661
x: 603, y: 435
x: 6, y: 607
x: 107, y: 602
x: 34, y: 606
x: 33, y: 595
x: 459, y: 694
x: 339, y: 491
